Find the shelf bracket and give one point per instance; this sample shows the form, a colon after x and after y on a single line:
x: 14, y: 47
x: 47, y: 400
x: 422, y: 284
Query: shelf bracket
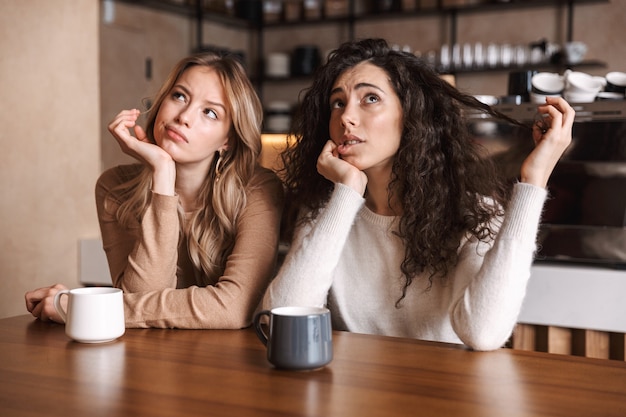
x: 570, y: 21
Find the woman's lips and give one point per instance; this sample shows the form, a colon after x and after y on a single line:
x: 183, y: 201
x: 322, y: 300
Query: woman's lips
x: 348, y: 143
x: 175, y: 134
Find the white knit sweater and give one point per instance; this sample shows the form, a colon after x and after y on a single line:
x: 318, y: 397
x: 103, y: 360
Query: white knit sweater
x: 349, y: 260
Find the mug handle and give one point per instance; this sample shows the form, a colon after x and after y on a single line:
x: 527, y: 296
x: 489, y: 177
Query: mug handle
x: 57, y: 304
x: 257, y: 325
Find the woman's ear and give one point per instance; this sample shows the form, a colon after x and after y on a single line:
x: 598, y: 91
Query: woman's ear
x: 224, y: 146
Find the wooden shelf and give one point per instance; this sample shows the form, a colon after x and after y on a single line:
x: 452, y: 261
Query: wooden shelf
x: 191, y: 10
x: 544, y: 66
x: 351, y: 19
x: 182, y: 9
x: 487, y: 6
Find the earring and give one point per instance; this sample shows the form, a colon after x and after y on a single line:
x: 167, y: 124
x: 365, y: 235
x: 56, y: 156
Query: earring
x: 218, y: 165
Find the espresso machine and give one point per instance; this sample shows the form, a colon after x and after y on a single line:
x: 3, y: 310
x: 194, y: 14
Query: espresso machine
x: 584, y: 220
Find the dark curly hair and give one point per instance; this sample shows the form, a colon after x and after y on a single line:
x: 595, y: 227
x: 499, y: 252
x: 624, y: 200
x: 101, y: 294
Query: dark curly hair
x: 446, y: 188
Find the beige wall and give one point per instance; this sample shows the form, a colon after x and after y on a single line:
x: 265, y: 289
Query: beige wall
x: 49, y: 113
x: 133, y: 35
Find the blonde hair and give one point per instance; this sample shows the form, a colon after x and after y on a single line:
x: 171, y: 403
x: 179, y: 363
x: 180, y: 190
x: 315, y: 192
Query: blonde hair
x: 210, y: 231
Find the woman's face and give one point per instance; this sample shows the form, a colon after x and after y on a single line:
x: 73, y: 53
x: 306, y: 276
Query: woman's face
x: 366, y: 117
x: 193, y: 121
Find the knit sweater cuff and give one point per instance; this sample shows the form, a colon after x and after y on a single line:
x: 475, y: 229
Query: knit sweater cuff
x: 341, y: 210
x: 164, y: 203
x: 524, y: 210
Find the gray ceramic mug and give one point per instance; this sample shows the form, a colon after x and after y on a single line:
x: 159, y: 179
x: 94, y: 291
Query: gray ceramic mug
x: 300, y: 338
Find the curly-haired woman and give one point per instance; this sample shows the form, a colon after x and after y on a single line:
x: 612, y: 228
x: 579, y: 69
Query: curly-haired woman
x: 400, y: 227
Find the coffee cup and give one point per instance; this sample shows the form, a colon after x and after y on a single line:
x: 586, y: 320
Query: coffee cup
x: 580, y: 82
x: 93, y: 315
x: 547, y: 83
x: 579, y: 97
x: 615, y: 82
x: 300, y: 338
x: 277, y: 65
x: 538, y: 98
x: 575, y: 52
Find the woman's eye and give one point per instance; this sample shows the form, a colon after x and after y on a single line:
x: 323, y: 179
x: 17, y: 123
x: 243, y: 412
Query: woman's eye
x: 336, y: 104
x: 371, y: 98
x: 178, y: 96
x: 210, y: 113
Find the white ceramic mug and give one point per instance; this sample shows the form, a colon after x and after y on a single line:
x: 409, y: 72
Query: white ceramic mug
x: 94, y: 314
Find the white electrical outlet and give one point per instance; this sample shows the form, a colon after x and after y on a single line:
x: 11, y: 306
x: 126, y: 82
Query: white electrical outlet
x: 108, y: 11
x: 93, y: 269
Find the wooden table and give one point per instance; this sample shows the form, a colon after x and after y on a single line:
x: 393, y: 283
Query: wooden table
x: 187, y: 373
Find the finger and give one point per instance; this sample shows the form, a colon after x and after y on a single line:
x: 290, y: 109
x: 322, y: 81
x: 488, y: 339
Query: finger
x: 329, y: 150
x: 563, y: 107
x: 555, y: 117
x: 33, y: 298
x: 46, y: 311
x: 123, y: 116
x: 559, y: 102
x: 329, y: 146
x: 125, y: 119
x: 37, y: 311
x: 549, y: 119
x: 31, y: 305
x: 538, y: 131
x: 30, y: 301
x: 140, y: 133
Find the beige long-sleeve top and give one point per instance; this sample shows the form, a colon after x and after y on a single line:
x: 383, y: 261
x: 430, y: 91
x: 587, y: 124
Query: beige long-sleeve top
x: 161, y: 286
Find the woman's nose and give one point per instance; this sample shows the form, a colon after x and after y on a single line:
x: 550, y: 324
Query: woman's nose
x: 184, y: 117
x: 349, y: 116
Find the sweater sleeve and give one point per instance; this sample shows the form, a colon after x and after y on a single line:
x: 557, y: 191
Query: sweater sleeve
x: 145, y: 258
x: 231, y: 302
x: 487, y: 303
x: 306, y: 274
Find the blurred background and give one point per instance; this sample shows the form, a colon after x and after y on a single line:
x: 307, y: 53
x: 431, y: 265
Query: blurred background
x: 68, y: 66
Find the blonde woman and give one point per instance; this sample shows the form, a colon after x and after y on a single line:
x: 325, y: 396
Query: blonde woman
x: 191, y: 232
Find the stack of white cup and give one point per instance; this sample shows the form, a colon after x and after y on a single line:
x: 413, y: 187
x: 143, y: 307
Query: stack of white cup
x: 581, y: 87
x: 615, y: 87
x: 574, y: 86
x: 546, y: 84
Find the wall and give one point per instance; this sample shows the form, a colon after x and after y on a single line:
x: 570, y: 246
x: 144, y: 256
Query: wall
x: 49, y: 115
